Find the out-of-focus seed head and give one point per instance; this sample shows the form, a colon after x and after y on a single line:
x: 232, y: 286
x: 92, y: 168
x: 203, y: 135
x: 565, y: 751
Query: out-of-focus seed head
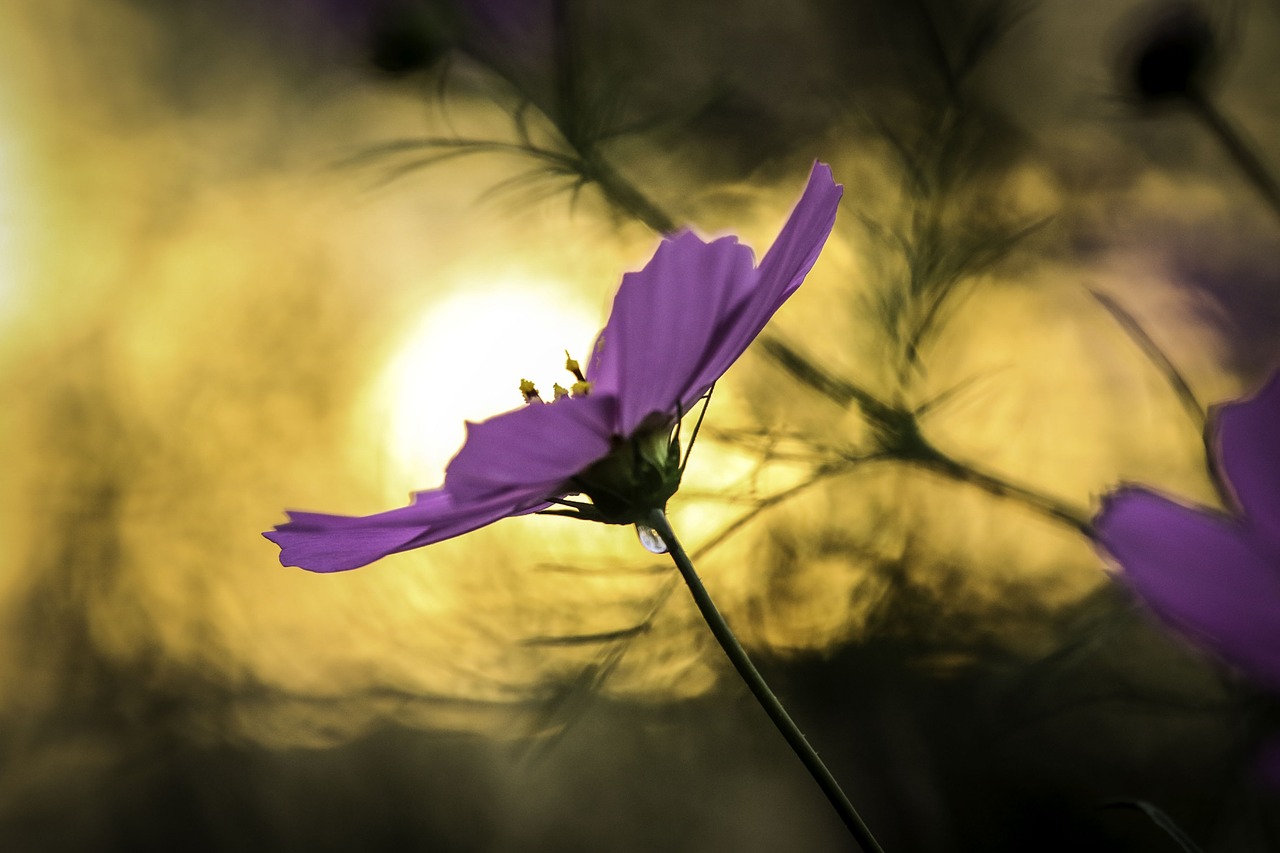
x: 407, y: 38
x: 1171, y: 52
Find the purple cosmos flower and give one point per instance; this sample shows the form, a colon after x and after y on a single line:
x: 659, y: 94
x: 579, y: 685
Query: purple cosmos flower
x: 675, y: 327
x: 1214, y: 576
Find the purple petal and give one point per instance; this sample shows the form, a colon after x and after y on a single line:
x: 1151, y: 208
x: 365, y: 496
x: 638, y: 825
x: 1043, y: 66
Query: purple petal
x: 1247, y: 437
x: 335, y: 543
x: 781, y: 272
x: 1213, y: 578
x: 532, y: 450
x: 663, y: 324
x: 678, y: 324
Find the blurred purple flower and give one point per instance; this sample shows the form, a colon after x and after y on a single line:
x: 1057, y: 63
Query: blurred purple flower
x: 1214, y: 576
x: 675, y: 327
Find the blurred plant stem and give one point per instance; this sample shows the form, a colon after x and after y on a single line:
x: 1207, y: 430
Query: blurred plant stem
x: 1157, y: 356
x: 1241, y: 152
x: 935, y: 168
x: 623, y: 194
x: 760, y: 689
x: 1160, y: 819
x: 896, y: 429
x: 566, y: 152
x: 897, y: 434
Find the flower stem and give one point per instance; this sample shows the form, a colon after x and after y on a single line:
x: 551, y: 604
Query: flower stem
x: 738, y: 656
x: 1241, y: 152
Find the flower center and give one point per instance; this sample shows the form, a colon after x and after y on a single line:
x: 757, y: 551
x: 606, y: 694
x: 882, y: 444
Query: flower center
x: 640, y: 474
x: 580, y: 388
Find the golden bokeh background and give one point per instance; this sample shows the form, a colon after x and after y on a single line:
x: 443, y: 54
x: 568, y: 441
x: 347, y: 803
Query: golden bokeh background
x: 206, y: 317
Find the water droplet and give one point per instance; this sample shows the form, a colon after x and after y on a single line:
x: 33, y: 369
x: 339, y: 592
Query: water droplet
x: 650, y: 539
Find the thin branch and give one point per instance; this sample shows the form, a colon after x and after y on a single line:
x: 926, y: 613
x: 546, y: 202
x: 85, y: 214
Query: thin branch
x: 1156, y: 355
x: 823, y: 472
x: 1238, y: 147
x: 945, y: 396
x: 464, y: 146
x: 1076, y: 518
x: 979, y: 258
x: 589, y: 639
x: 840, y: 391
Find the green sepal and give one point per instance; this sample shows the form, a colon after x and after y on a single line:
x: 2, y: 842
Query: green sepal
x: 639, y: 475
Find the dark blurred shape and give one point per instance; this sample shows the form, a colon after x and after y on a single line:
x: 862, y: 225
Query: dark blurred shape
x: 1172, y: 52
x: 409, y: 38
x: 1160, y: 819
x: 1176, y: 51
x: 741, y: 134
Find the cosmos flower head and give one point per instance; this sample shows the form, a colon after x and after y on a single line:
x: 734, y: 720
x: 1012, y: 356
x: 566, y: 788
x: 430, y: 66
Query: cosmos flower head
x: 1214, y: 576
x: 675, y: 327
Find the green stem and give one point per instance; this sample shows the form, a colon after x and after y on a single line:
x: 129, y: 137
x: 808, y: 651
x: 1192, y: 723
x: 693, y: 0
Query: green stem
x: 657, y: 519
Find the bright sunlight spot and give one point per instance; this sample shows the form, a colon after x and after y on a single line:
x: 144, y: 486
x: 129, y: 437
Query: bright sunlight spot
x: 464, y: 361
x: 7, y: 283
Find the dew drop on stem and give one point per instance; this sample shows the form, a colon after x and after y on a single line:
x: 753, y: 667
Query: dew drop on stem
x: 650, y: 539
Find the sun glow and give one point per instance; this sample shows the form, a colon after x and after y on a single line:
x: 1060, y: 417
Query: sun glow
x: 8, y: 286
x: 464, y: 360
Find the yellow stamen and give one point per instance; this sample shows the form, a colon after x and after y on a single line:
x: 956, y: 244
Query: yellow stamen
x: 573, y: 367
x: 580, y: 389
x: 560, y: 391
x: 530, y: 391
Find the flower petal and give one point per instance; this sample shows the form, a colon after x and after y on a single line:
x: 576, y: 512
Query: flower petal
x: 469, y: 516
x: 678, y: 324
x: 335, y: 543
x: 533, y: 449
x: 1213, y: 578
x: 1247, y: 441
x: 783, y: 269
x: 663, y: 324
